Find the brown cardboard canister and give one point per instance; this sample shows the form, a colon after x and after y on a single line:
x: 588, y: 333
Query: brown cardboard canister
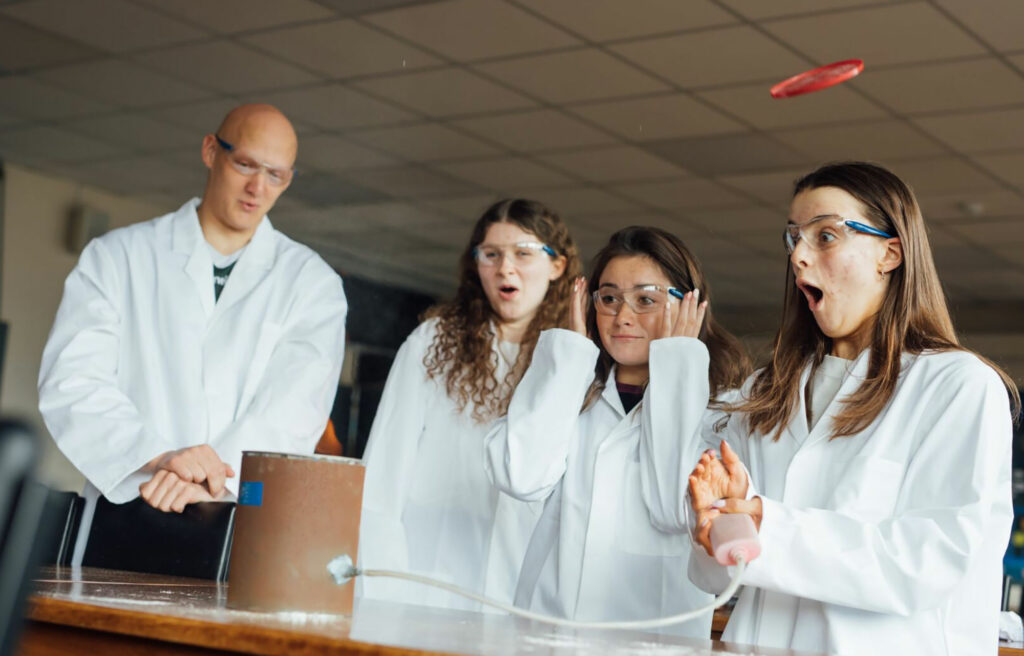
x: 295, y: 514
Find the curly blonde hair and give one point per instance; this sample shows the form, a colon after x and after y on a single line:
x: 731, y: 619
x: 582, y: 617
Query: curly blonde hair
x: 462, y: 351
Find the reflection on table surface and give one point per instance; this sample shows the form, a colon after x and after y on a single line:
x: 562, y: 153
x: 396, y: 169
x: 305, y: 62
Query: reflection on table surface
x: 194, y: 612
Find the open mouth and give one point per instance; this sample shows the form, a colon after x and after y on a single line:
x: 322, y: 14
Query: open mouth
x: 813, y: 294
x: 507, y: 292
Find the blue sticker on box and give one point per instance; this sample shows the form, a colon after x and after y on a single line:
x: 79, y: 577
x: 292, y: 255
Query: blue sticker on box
x: 251, y: 493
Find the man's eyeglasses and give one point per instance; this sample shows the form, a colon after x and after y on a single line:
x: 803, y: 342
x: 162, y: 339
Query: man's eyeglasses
x: 642, y: 299
x: 522, y: 254
x: 276, y: 175
x: 826, y: 232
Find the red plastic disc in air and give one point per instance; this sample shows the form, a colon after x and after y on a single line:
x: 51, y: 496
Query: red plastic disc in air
x: 818, y: 78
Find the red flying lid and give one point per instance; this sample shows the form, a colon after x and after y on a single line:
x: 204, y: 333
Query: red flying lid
x: 818, y: 78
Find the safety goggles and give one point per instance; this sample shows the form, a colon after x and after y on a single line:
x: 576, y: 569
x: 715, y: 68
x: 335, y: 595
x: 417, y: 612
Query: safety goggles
x: 826, y: 232
x: 641, y: 299
x: 522, y: 254
x: 277, y: 176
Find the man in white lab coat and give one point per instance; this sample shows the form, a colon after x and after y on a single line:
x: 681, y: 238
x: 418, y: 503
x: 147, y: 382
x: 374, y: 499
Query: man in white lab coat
x: 183, y: 340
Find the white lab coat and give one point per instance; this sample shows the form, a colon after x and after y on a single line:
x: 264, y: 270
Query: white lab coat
x: 141, y: 360
x: 596, y: 554
x: 428, y: 506
x: 887, y: 541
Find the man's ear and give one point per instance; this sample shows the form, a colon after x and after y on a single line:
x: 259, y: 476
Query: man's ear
x: 209, y: 150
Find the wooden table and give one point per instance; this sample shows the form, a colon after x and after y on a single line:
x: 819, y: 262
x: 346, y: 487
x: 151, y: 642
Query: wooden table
x: 92, y: 611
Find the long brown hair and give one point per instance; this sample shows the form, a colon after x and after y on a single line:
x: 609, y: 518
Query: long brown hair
x: 462, y: 351
x: 729, y: 362
x: 913, y: 317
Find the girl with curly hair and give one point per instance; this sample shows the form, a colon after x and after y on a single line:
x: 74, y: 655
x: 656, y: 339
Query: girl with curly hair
x: 428, y: 507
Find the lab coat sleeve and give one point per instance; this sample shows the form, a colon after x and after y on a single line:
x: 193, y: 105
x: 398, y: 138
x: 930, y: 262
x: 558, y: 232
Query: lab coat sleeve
x: 392, y: 454
x: 673, y: 415
x: 526, y: 451
x: 91, y: 420
x: 911, y: 561
x: 294, y: 396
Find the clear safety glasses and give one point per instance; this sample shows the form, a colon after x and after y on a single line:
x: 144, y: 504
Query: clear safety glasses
x: 642, y: 299
x: 827, y: 231
x: 247, y: 166
x: 523, y: 254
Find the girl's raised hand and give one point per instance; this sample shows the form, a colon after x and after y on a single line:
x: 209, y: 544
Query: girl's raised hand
x: 683, y: 318
x: 578, y: 306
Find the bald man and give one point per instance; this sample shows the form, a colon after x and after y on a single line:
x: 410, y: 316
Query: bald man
x: 183, y: 340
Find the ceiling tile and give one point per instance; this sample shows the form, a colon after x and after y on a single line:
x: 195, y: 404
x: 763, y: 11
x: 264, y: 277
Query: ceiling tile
x: 544, y: 129
x: 739, y: 153
x: 225, y: 66
x: 342, y: 48
x: 874, y: 140
x: 203, y: 117
x: 334, y: 106
x: 317, y: 221
x: 318, y: 189
x: 587, y: 74
x: 122, y: 83
x: 466, y: 208
x: 939, y: 207
x: 498, y: 29
x: 977, y: 132
x: 1007, y: 166
x: 758, y: 9
x: 1000, y: 232
x: 410, y: 181
x: 619, y: 163
x: 134, y: 175
x: 332, y: 153
x: 685, y: 193
x: 996, y: 21
x: 752, y: 103
x: 948, y: 174
x: 47, y: 143
x: 601, y: 225
x: 229, y: 16
x: 29, y: 98
x: 23, y: 47
x: 573, y: 202
x: 751, y: 218
x: 606, y: 20
x: 136, y: 132
x: 360, y: 7
x: 658, y: 117
x: 725, y: 56
x: 937, y: 87
x: 111, y: 25
x: 400, y: 217
x: 774, y: 187
x: 445, y: 92
x: 424, y: 142
x: 898, y: 34
x: 507, y: 174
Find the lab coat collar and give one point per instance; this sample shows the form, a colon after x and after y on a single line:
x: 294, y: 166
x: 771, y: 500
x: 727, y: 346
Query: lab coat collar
x: 610, y: 394
x: 858, y: 371
x: 257, y: 259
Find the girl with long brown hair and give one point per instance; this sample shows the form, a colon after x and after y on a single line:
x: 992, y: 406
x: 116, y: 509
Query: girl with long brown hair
x: 572, y: 435
x: 428, y: 507
x: 877, y: 447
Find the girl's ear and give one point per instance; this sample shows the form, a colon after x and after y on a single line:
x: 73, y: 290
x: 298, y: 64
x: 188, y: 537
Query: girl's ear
x: 893, y: 257
x: 557, y: 268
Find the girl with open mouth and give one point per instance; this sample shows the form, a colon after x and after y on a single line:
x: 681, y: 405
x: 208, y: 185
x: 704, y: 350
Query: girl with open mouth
x: 872, y: 451
x: 428, y: 507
